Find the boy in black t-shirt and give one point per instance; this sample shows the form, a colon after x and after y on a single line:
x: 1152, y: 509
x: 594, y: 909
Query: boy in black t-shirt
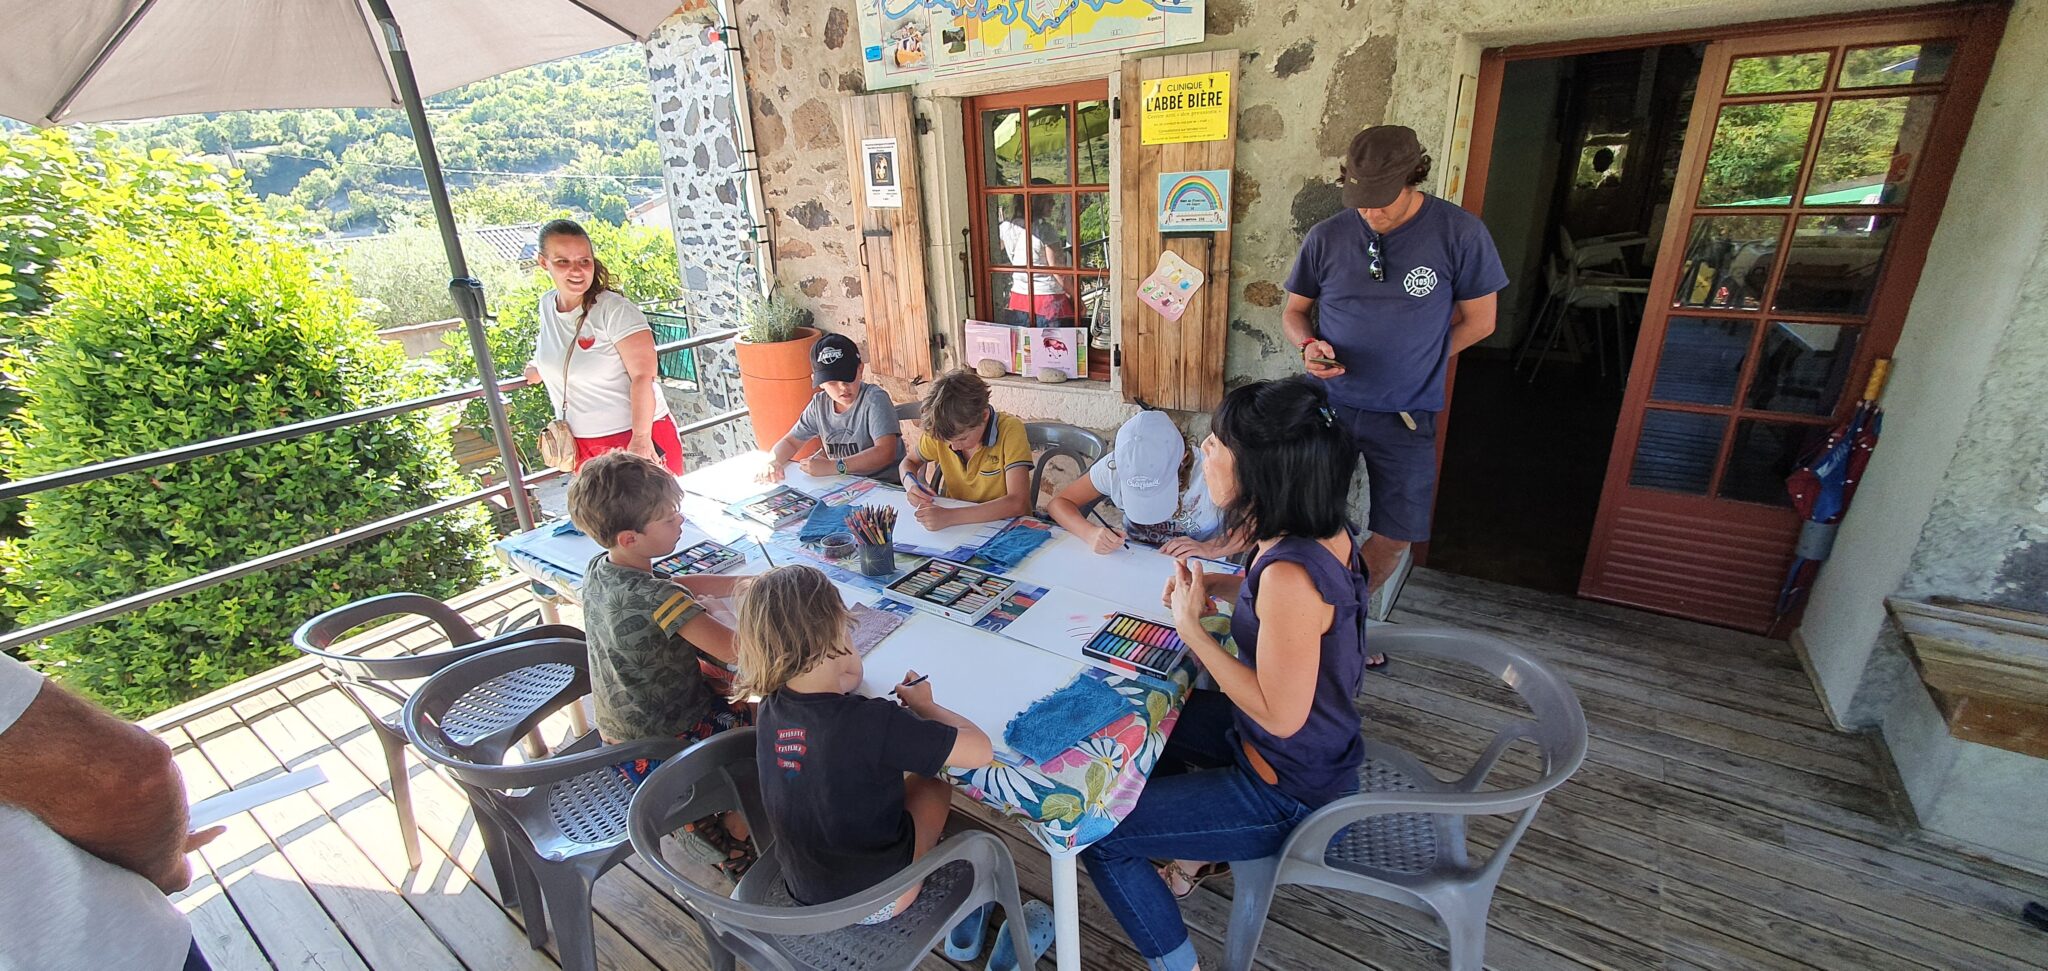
x: 849, y: 783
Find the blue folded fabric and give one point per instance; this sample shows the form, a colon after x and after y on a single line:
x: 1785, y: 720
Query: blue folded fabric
x: 1054, y: 723
x: 823, y: 521
x: 1012, y: 545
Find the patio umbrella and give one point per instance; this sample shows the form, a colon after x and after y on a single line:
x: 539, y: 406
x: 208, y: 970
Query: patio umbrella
x: 1822, y: 487
x: 108, y: 60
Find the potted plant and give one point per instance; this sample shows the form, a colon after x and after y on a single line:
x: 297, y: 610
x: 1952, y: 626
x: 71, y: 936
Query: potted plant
x: 774, y: 352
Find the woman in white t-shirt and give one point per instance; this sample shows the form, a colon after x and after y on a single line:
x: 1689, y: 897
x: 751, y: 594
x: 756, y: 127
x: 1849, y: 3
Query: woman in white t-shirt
x: 607, y: 391
x: 1036, y: 299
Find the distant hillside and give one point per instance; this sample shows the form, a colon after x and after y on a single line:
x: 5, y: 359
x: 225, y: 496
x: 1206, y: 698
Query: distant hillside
x: 575, y: 133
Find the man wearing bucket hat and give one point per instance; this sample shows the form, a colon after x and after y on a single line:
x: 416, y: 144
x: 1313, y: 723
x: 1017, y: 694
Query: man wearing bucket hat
x: 1398, y: 281
x: 1155, y: 480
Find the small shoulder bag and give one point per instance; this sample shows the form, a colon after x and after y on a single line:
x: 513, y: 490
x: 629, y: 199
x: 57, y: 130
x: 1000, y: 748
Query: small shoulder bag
x: 557, y: 442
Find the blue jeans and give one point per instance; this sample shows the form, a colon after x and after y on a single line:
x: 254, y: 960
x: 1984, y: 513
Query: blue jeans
x: 1199, y: 805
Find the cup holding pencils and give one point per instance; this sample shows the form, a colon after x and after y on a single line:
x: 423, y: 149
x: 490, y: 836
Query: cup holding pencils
x: 874, y: 535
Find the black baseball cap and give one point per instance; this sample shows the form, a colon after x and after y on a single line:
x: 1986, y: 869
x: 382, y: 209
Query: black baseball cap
x: 835, y: 357
x: 1379, y: 163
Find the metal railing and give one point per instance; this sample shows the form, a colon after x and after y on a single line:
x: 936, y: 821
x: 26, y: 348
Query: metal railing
x: 217, y: 446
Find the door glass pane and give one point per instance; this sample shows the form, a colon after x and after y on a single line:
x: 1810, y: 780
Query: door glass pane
x: 1005, y: 222
x: 1765, y: 453
x: 1701, y: 363
x: 1052, y: 300
x: 1049, y: 145
x: 1728, y: 261
x: 1756, y: 154
x: 1802, y: 367
x: 1095, y: 309
x: 1778, y: 72
x: 1869, y: 148
x: 1834, y: 263
x: 1009, y: 297
x: 1676, y: 451
x: 1094, y: 241
x: 1870, y: 67
x: 1002, y: 148
x: 1052, y: 226
x: 1091, y: 140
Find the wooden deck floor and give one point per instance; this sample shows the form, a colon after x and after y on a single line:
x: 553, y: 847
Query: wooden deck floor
x: 1717, y: 824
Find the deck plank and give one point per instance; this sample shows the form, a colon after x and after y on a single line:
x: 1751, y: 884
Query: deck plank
x: 460, y: 913
x: 284, y: 917
x: 385, y: 932
x: 443, y: 816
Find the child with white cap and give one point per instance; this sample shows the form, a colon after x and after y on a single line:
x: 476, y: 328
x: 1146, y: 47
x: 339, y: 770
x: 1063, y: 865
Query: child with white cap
x: 1156, y: 480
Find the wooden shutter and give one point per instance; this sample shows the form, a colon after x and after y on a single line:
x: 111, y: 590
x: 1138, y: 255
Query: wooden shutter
x: 1172, y: 363
x: 892, y: 241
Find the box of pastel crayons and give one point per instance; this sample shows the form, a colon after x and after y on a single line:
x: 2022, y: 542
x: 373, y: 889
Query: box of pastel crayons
x: 950, y: 589
x: 1129, y: 642
x: 704, y: 557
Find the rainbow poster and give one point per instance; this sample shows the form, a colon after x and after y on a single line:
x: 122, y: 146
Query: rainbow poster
x: 1194, y: 202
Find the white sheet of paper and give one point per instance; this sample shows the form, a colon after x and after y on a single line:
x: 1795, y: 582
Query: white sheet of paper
x: 1061, y: 622
x: 213, y: 809
x: 1133, y: 579
x: 910, y: 532
x: 986, y: 678
x: 736, y: 478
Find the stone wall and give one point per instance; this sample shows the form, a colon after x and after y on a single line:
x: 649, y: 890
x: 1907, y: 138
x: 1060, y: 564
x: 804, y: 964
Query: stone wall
x: 690, y: 78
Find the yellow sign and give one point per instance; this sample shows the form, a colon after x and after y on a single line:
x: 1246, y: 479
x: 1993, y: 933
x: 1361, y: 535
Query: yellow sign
x: 1190, y: 108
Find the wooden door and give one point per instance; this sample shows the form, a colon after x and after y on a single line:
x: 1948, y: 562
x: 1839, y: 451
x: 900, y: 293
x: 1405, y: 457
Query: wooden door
x: 1174, y: 364
x: 1815, y: 168
x: 892, y: 240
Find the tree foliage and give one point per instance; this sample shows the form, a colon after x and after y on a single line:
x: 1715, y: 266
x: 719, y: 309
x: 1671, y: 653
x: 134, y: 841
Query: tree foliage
x: 402, y: 277
x: 581, y: 129
x: 166, y: 338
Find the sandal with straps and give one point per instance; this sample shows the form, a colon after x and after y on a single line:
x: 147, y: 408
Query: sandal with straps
x: 738, y: 854
x: 1177, y: 878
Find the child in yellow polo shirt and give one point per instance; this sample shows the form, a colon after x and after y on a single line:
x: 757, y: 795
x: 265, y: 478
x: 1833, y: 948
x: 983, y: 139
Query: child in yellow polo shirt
x: 969, y: 451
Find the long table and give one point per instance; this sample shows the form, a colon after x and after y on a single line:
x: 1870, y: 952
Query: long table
x: 1065, y: 802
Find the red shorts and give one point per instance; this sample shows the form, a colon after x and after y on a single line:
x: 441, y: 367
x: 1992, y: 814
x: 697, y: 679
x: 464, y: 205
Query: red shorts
x: 667, y: 444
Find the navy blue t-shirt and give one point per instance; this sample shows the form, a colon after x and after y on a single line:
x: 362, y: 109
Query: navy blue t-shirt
x: 1393, y: 335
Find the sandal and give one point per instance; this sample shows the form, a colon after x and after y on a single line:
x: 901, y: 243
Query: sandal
x: 1372, y: 665
x: 963, y: 942
x: 1038, y: 927
x: 1177, y: 878
x: 737, y: 855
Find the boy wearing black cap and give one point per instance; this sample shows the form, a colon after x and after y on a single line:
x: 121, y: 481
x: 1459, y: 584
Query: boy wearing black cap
x: 1400, y: 281
x: 855, y: 419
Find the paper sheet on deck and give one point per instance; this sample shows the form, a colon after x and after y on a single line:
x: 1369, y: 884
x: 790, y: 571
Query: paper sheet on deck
x: 985, y: 677
x: 215, y: 808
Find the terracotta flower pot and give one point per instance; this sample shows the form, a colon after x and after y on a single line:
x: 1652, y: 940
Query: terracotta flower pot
x: 776, y: 380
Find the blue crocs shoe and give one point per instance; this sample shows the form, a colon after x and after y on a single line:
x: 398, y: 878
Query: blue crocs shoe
x: 964, y: 942
x: 1038, y: 927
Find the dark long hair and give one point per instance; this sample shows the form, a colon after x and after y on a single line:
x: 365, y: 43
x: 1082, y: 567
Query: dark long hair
x: 600, y: 278
x: 1294, y: 462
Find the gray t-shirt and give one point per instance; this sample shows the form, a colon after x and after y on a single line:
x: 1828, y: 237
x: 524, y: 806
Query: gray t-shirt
x: 61, y: 908
x: 872, y: 418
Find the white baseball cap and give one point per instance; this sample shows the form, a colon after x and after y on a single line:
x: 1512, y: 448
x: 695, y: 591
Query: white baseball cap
x: 1148, y: 453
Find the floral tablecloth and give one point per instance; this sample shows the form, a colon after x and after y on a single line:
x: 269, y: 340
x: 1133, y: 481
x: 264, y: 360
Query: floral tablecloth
x: 1079, y: 795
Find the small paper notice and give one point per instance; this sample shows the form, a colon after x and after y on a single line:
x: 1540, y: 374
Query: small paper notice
x: 880, y: 174
x: 1171, y: 286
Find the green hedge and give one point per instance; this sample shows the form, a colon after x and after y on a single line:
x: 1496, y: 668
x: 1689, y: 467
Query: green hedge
x: 165, y: 339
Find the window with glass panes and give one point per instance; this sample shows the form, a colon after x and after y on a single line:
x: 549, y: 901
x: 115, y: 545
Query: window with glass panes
x: 1039, y: 175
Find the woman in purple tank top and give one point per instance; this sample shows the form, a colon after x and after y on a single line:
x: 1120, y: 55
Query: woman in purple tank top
x: 1280, y: 739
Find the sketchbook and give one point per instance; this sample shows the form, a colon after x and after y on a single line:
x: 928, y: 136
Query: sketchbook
x: 985, y: 677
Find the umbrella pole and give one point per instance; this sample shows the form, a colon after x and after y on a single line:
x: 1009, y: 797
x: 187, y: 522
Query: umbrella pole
x: 465, y: 290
